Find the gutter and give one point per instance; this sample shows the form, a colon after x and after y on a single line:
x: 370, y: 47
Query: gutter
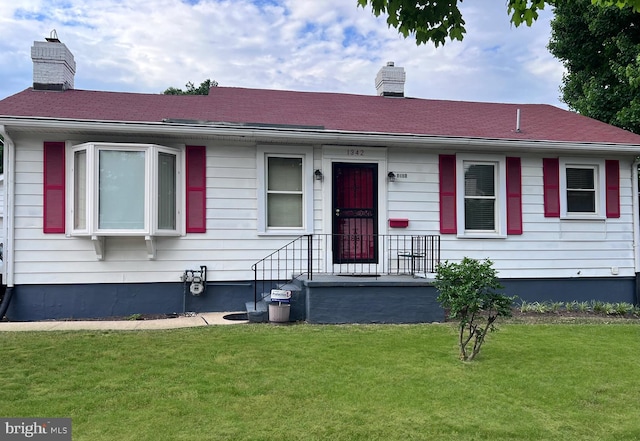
x: 9, y: 207
x: 288, y: 134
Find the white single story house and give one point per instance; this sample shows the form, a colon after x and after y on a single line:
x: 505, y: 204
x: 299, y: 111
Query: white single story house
x: 123, y: 203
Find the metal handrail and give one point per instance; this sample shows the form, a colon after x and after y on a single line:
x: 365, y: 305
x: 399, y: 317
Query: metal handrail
x: 346, y: 254
x: 276, y: 265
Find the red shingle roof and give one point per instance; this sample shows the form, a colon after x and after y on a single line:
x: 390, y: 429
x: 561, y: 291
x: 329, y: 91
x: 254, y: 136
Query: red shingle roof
x: 332, y: 111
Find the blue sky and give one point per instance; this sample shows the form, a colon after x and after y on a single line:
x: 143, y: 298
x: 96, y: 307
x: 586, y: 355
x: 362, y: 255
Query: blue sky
x: 306, y: 45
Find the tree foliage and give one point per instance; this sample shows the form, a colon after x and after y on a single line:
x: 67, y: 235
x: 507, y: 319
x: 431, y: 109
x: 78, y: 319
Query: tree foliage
x: 191, y: 89
x: 468, y: 291
x: 600, y: 50
x: 437, y: 21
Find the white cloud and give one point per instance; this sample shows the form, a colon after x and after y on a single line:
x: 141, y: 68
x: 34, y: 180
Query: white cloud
x: 334, y: 45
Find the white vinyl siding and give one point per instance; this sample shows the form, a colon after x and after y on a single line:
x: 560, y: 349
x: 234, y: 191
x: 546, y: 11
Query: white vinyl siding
x: 548, y: 247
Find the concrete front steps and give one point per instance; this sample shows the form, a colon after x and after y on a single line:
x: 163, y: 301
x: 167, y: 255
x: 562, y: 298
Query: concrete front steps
x: 335, y: 299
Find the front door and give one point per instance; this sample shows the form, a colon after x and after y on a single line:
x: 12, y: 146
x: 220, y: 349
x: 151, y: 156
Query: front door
x: 355, y: 213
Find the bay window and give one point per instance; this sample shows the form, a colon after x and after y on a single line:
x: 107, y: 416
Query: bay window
x: 124, y: 189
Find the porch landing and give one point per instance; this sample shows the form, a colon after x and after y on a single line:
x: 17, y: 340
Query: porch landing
x: 334, y: 299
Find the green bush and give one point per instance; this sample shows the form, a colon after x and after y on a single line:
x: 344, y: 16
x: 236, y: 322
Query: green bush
x: 593, y: 306
x: 468, y: 291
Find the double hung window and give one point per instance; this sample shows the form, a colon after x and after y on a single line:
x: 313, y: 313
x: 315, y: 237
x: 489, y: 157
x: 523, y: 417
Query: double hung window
x: 285, y: 190
x: 481, y: 200
x: 582, y: 187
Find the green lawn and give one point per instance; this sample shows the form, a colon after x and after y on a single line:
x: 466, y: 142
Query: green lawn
x: 306, y: 382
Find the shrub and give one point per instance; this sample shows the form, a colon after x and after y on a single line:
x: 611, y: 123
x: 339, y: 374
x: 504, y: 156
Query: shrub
x: 468, y: 290
x: 599, y: 307
x: 584, y: 307
x: 556, y: 306
x: 525, y: 307
x: 622, y: 308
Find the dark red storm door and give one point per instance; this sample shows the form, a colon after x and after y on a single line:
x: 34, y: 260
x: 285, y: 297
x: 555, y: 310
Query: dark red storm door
x: 355, y: 213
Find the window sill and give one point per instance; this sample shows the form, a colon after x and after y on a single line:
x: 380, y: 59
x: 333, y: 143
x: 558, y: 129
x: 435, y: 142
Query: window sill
x: 479, y: 235
x: 583, y: 217
x: 283, y: 233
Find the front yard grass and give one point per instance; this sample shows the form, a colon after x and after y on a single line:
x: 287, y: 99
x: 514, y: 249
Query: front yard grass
x: 351, y: 382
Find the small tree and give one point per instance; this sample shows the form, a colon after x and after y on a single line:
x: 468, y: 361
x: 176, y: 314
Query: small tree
x: 191, y: 89
x: 468, y: 291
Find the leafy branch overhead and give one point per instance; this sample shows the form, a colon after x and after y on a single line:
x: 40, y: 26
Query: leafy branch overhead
x: 600, y: 51
x: 437, y: 21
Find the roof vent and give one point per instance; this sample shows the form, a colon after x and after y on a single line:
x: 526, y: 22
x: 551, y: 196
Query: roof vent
x: 53, y: 65
x: 390, y: 80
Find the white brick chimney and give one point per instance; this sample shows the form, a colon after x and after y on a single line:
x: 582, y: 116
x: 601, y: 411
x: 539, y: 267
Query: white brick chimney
x: 390, y: 80
x: 53, y: 65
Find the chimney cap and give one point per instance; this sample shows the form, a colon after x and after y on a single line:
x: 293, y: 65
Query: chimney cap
x: 53, y: 37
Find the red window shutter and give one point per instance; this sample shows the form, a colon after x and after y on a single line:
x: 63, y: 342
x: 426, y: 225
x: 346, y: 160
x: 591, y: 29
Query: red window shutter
x: 447, y: 170
x: 612, y: 173
x: 196, y: 189
x: 514, y: 196
x: 53, y: 191
x: 551, y: 182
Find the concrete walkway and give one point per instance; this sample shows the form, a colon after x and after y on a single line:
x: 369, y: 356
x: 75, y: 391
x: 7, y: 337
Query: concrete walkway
x: 199, y: 319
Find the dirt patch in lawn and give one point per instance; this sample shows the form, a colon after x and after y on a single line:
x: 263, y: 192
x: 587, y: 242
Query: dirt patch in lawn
x: 131, y: 317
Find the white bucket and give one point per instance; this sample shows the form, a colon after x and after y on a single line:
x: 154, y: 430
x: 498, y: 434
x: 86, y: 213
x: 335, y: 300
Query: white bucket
x: 279, y: 312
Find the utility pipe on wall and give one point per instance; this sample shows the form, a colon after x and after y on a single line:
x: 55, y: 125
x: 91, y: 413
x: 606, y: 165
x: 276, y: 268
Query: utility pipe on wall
x: 7, y: 253
x: 9, y: 207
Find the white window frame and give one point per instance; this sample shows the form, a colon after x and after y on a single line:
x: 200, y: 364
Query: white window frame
x: 500, y: 166
x: 306, y: 154
x: 598, y: 167
x: 91, y: 196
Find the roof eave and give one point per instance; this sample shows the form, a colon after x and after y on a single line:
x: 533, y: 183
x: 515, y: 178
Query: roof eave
x: 311, y: 135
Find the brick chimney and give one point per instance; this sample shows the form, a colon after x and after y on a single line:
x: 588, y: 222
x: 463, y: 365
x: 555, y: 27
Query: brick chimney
x: 390, y: 80
x: 53, y: 65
